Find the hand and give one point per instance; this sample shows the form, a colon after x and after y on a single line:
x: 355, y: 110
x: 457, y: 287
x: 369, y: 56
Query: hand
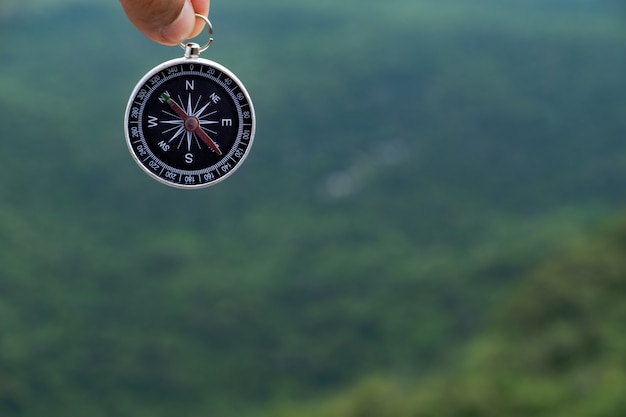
x: 167, y: 21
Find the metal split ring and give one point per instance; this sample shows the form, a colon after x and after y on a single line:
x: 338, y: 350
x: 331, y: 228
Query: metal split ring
x: 210, y: 26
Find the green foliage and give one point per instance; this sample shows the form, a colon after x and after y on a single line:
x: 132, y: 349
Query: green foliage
x: 556, y: 348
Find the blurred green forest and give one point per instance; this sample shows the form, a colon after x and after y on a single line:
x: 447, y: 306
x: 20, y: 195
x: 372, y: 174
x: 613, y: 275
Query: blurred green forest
x: 555, y: 347
x: 398, y: 243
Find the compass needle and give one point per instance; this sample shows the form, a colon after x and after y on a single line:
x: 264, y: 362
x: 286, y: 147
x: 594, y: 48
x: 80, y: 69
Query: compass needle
x: 191, y: 123
x: 207, y: 139
x: 175, y: 107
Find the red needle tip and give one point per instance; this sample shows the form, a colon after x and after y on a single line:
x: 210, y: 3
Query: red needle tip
x: 207, y: 139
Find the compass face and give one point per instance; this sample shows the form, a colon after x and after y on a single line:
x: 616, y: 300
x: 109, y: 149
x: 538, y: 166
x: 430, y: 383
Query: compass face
x: 189, y: 123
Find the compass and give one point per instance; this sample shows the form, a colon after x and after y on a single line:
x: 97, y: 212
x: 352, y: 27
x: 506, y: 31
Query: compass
x: 189, y: 122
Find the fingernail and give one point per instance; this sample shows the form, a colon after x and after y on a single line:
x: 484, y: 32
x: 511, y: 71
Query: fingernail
x: 182, y: 26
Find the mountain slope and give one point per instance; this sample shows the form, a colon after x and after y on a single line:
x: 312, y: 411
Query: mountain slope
x: 557, y: 347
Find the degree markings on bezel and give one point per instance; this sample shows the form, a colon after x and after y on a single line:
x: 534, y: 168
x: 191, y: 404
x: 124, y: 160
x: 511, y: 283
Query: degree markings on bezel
x: 238, y: 141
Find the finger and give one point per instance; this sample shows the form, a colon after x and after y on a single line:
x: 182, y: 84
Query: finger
x: 166, y: 21
x: 200, y: 7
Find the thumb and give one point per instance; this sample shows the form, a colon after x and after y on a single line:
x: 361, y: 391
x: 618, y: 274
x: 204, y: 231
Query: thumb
x: 164, y: 21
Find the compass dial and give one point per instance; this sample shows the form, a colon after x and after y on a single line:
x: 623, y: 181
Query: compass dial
x: 189, y: 123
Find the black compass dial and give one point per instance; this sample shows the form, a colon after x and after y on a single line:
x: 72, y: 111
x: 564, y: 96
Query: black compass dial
x: 190, y: 123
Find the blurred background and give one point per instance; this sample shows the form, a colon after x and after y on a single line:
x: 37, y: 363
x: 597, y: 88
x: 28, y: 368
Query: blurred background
x: 430, y: 223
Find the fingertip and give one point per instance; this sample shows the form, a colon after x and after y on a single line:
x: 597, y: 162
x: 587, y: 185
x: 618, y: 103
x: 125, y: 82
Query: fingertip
x: 182, y: 27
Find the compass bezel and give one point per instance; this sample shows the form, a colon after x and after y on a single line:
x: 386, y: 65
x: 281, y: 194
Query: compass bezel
x: 142, y: 149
